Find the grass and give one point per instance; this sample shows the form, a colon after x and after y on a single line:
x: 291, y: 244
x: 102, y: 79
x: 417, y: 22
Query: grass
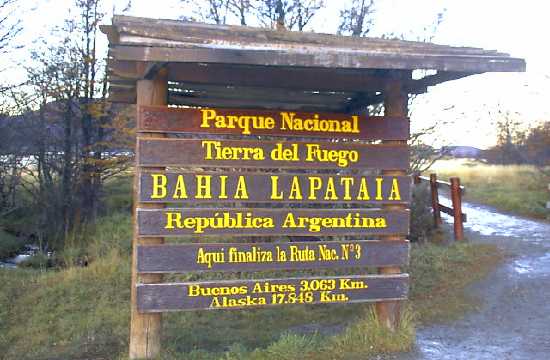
x: 518, y: 189
x: 83, y: 312
x: 439, y: 275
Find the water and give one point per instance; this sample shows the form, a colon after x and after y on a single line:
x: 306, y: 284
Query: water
x: 29, y: 251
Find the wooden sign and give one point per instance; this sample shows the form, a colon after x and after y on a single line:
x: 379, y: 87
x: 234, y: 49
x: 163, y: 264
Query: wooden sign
x: 223, y: 187
x: 270, y: 154
x: 236, y: 294
x: 266, y: 222
x: 270, y: 256
x: 272, y: 123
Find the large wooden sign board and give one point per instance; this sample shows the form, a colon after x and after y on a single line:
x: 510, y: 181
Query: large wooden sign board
x: 308, y: 178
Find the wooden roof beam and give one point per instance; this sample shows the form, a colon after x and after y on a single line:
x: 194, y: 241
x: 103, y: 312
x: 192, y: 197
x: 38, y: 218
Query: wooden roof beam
x: 314, y: 79
x: 174, y: 99
x: 421, y: 85
x: 346, y: 60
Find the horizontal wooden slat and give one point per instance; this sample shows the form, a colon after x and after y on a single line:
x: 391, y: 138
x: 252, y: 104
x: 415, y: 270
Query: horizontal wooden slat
x: 450, y: 211
x: 270, y: 154
x: 258, y: 92
x: 265, y: 222
x: 223, y: 187
x: 237, y: 294
x: 270, y: 256
x: 330, y: 59
x: 446, y: 185
x: 245, y: 103
x: 312, y: 79
x: 273, y: 123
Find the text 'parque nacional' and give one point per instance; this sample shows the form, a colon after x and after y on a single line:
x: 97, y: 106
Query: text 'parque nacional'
x: 272, y: 122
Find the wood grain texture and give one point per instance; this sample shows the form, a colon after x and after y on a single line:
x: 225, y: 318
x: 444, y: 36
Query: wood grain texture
x: 268, y: 221
x: 395, y: 104
x: 145, y: 329
x: 176, y: 296
x: 189, y: 120
x: 450, y: 211
x: 193, y: 152
x: 312, y: 188
x: 182, y: 258
x: 349, y: 59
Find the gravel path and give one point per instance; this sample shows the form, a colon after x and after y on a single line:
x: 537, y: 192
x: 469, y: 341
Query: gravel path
x: 514, y: 319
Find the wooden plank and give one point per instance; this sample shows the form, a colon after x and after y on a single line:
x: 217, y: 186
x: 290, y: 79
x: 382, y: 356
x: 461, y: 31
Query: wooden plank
x: 238, y: 294
x: 421, y: 85
x: 126, y: 96
x: 226, y: 187
x: 269, y: 221
x: 245, y: 103
x: 442, y: 183
x: 312, y: 79
x: 449, y: 211
x: 260, y: 93
x: 173, y: 31
x: 270, y: 256
x: 145, y: 329
x: 456, y: 200
x: 272, y: 123
x: 395, y: 104
x: 330, y: 59
x: 270, y: 154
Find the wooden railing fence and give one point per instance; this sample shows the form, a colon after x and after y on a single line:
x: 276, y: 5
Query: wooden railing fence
x: 456, y: 191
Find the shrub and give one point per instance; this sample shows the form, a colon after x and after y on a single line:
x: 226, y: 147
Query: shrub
x: 9, y: 245
x: 421, y: 215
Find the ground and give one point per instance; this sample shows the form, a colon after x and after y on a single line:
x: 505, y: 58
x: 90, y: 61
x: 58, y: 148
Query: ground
x: 512, y: 319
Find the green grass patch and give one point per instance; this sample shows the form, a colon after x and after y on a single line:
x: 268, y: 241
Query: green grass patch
x: 519, y: 189
x: 440, y: 274
x: 83, y: 312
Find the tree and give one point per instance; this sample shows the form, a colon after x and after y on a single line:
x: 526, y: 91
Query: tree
x: 509, y: 139
x: 357, y: 20
x: 536, y: 147
x: 288, y: 14
x: 215, y: 11
x: 9, y: 28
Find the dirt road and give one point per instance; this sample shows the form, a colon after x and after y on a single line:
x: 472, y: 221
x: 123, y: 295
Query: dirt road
x: 513, y: 321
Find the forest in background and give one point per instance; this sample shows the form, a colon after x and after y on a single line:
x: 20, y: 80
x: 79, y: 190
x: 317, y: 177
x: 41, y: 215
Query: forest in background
x: 61, y: 139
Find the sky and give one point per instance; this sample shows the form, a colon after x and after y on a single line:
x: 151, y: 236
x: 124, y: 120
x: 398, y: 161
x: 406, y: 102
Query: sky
x: 468, y: 107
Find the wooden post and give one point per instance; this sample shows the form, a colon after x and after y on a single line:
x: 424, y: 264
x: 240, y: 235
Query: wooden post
x: 145, y: 329
x: 457, y: 208
x: 395, y: 104
x: 435, y: 200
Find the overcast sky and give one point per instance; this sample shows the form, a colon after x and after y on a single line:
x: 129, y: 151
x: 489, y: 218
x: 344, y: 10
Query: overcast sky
x: 468, y: 106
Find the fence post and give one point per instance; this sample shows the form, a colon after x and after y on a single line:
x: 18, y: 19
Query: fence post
x: 456, y: 196
x: 435, y: 200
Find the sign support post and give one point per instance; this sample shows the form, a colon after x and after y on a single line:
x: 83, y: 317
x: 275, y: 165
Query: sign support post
x: 145, y: 329
x: 395, y: 104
